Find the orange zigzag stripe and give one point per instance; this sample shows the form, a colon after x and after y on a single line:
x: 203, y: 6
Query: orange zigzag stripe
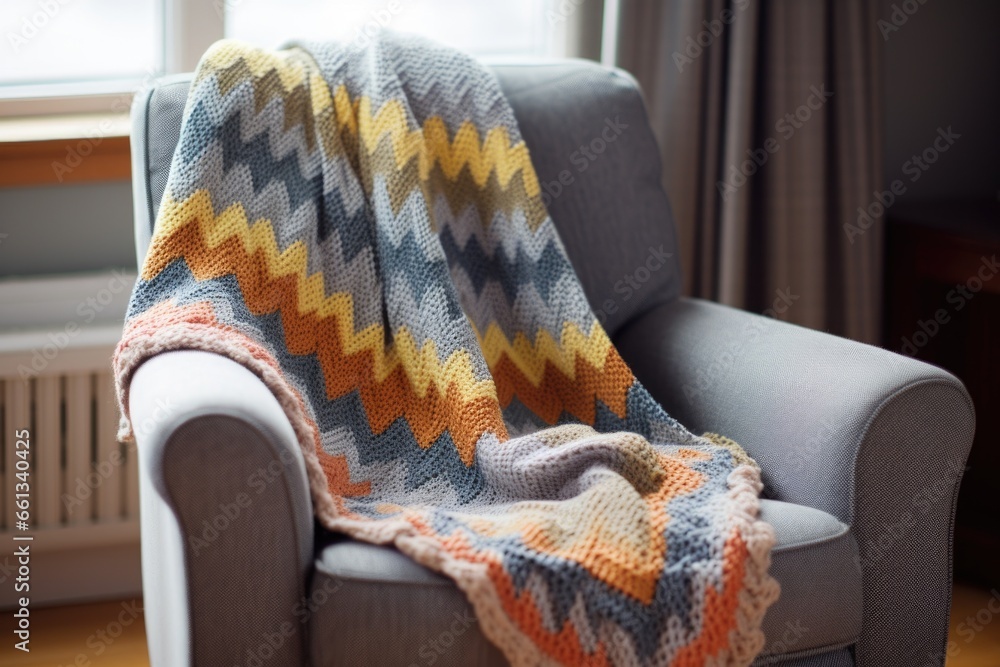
x: 564, y: 645
x: 306, y: 333
x: 201, y: 316
x: 393, y: 397
x: 558, y: 392
x: 719, y: 611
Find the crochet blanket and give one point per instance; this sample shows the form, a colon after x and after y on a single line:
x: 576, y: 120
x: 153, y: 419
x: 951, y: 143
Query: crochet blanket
x: 363, y: 229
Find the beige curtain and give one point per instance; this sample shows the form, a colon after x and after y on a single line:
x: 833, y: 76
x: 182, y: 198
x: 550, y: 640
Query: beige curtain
x: 768, y: 116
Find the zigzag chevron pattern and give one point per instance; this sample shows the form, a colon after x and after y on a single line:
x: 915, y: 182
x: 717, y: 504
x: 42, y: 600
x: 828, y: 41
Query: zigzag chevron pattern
x: 363, y: 229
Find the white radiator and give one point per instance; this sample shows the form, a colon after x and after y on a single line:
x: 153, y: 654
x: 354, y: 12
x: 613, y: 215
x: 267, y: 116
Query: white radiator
x: 55, y: 382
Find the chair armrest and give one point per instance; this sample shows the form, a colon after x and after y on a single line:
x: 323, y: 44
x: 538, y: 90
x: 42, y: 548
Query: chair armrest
x: 874, y: 438
x: 227, y: 526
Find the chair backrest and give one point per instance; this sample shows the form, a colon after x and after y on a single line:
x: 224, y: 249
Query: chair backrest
x: 592, y: 147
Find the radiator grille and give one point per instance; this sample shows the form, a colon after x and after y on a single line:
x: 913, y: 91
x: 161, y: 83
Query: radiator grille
x: 57, y: 335
x: 79, y: 473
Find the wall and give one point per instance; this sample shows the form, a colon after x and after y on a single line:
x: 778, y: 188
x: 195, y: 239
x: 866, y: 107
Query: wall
x: 66, y: 228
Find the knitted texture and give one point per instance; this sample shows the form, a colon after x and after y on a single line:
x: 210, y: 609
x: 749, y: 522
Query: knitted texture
x: 363, y: 229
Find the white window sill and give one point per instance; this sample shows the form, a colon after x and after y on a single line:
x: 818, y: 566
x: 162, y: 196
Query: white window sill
x: 63, y: 126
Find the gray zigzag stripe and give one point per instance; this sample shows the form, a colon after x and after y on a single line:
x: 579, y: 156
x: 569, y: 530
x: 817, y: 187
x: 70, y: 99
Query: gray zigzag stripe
x: 434, y: 80
x: 528, y: 313
x: 426, y: 318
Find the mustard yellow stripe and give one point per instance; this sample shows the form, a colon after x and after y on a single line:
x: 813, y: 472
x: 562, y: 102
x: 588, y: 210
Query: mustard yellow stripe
x: 530, y: 358
x: 419, y: 362
x: 431, y: 144
x: 288, y: 64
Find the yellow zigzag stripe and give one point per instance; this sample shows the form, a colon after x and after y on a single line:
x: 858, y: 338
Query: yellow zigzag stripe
x: 419, y: 362
x: 288, y: 64
x: 530, y: 358
x: 431, y: 144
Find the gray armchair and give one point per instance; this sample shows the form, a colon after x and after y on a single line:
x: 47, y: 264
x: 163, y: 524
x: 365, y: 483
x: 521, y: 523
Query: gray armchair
x: 862, y: 450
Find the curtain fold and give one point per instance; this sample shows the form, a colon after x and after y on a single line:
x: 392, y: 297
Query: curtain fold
x: 768, y: 116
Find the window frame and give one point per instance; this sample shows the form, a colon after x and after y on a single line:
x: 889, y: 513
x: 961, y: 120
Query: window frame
x: 188, y: 27
x: 191, y: 26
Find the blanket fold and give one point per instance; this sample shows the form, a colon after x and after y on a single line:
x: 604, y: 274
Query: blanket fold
x: 363, y: 229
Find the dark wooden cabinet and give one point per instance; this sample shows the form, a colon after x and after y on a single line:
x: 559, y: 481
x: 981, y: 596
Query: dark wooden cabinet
x: 942, y: 305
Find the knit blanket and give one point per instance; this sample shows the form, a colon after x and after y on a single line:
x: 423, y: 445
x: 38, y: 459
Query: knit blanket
x: 362, y: 228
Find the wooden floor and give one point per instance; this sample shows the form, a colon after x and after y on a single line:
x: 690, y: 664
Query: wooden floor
x: 107, y: 634
x: 974, y: 640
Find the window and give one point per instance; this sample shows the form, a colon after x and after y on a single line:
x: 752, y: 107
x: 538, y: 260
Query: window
x: 65, y: 56
x: 50, y: 43
x: 513, y: 27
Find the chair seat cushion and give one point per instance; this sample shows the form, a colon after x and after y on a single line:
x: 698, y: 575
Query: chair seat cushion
x: 375, y: 606
x: 815, y: 561
x: 372, y: 605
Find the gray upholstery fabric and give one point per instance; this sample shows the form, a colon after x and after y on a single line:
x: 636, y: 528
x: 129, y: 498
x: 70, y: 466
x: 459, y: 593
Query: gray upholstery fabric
x: 873, y: 438
x: 207, y: 465
x: 156, y: 127
x: 840, y: 658
x: 567, y: 111
x: 227, y: 526
x: 375, y: 591
x: 821, y: 592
